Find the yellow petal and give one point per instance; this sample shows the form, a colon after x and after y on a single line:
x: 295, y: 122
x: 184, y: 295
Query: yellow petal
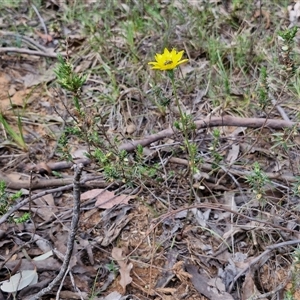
x: 158, y: 57
x: 179, y: 55
x: 173, y: 53
x: 166, y: 52
x: 182, y: 61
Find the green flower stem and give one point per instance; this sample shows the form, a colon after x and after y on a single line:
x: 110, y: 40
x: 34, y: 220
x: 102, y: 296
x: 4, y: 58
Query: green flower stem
x: 183, y: 120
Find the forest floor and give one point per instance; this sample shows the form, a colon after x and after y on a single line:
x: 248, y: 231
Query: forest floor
x: 188, y: 180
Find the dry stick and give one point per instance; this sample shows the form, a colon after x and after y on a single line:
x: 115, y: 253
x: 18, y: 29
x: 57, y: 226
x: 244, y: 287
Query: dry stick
x: 213, y: 122
x: 26, y: 39
x: 38, y: 183
x: 71, y: 238
x: 29, y: 52
x: 44, y: 183
x: 62, y: 283
x: 26, y: 200
x: 40, y: 18
x: 258, y: 258
x: 227, y: 170
x: 41, y: 194
x: 279, y: 108
x: 56, y: 166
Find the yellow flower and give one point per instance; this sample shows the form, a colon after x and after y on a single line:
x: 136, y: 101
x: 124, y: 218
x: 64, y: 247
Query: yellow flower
x: 168, y: 60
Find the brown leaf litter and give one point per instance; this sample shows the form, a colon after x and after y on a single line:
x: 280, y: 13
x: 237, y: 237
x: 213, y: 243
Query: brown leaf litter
x: 161, y: 243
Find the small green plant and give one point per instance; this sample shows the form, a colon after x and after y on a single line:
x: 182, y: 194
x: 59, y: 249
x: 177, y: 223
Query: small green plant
x: 295, y: 276
x: 288, y: 295
x: 224, y: 74
x: 283, y: 139
x: 63, y: 146
x: 6, y: 201
x: 112, y: 267
x: 25, y: 217
x: 3, y: 198
x: 16, y: 196
x: 130, y: 29
x: 69, y: 80
x: 217, y: 157
x: 242, y: 50
x: 257, y: 180
x: 296, y: 187
x: 119, y: 167
x: 262, y: 90
x: 288, y: 37
x: 57, y: 174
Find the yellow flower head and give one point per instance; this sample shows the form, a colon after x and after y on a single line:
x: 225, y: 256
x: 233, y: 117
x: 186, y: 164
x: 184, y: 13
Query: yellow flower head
x: 168, y: 60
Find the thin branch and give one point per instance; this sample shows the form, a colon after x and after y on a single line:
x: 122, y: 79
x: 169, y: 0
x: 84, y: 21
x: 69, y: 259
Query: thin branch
x: 40, y: 18
x: 29, y: 52
x: 43, y: 193
x: 212, y: 122
x: 279, y: 108
x: 43, y: 183
x: 242, y: 173
x: 73, y: 232
x: 32, y: 43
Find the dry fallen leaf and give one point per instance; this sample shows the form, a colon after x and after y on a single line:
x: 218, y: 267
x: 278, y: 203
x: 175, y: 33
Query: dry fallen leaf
x: 117, y: 254
x: 47, y: 38
x: 105, y: 199
x: 108, y: 200
x: 294, y: 13
x: 91, y: 194
x: 19, y: 281
x: 233, y: 153
x: 180, y: 273
x: 201, y: 284
x: 249, y: 288
x: 258, y: 13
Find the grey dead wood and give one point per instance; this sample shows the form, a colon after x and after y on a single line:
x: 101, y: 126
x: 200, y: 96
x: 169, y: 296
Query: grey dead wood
x: 71, y: 238
x: 28, y: 52
x: 212, y: 122
x: 43, y: 193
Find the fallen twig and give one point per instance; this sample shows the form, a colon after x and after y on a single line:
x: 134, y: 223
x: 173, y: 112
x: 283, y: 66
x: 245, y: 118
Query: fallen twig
x: 73, y: 231
x: 279, y: 108
x: 43, y: 193
x: 38, y: 183
x: 212, y: 122
x: 242, y: 173
x: 32, y: 43
x: 29, y: 52
x: 55, y: 166
x: 41, y: 19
